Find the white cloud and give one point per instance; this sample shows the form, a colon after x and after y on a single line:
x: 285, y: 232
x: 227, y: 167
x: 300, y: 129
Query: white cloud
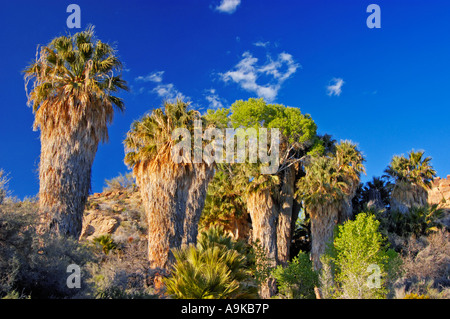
x: 152, y: 77
x: 169, y: 92
x: 247, y: 72
x: 261, y: 44
x: 336, y: 87
x: 215, y: 102
x: 228, y: 6
x: 166, y: 91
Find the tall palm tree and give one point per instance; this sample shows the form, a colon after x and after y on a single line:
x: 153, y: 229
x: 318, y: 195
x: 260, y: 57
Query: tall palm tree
x: 412, y: 176
x: 322, y: 190
x: 73, y: 82
x: 350, y: 162
x: 173, y: 193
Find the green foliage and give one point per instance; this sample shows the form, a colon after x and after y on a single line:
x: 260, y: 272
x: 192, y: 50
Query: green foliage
x: 330, y: 178
x: 106, y: 243
x: 298, y: 279
x: 214, y: 269
x: 224, y: 202
x: 367, y: 192
x: 358, y: 246
x: 418, y: 221
x: 415, y: 169
x: 151, y: 137
x: 296, y: 128
x: 322, y: 184
x: 260, y: 264
x: 217, y: 118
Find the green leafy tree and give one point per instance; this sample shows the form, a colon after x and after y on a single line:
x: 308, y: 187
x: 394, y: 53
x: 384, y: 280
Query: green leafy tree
x: 298, y: 279
x: 361, y: 264
x: 269, y: 198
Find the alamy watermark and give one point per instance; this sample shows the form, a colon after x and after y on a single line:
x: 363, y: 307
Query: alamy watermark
x: 74, y: 279
x: 374, y: 279
x: 227, y: 146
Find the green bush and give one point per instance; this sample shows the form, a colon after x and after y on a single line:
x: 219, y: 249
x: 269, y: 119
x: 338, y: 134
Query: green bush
x: 298, y: 279
x: 214, y: 269
x: 359, y: 263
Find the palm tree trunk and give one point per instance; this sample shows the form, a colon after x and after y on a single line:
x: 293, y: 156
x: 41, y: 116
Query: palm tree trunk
x: 405, y: 196
x: 65, y: 177
x: 323, y: 221
x: 284, y: 228
x: 200, y: 178
x: 173, y: 201
x: 264, y: 212
x: 346, y: 208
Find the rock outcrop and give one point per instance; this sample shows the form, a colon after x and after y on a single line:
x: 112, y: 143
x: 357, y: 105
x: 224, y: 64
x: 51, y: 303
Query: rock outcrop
x: 117, y: 213
x: 440, y: 192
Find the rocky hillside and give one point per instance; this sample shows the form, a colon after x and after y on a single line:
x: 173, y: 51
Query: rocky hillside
x: 440, y: 192
x: 115, y: 212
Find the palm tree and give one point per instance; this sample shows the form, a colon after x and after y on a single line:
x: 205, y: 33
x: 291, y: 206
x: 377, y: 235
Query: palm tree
x: 173, y: 193
x: 217, y: 267
x: 350, y: 162
x: 322, y: 190
x: 74, y: 79
x: 224, y: 204
x: 412, y: 177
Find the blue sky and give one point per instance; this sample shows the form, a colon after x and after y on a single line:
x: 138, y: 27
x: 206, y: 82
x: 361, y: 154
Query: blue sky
x: 386, y: 89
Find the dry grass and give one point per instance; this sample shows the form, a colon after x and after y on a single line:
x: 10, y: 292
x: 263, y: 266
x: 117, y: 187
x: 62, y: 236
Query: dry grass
x: 426, y: 265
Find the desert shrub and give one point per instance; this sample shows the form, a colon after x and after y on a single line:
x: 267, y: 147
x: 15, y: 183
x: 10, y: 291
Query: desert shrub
x: 3, y: 185
x: 120, y: 183
x: 358, y: 262
x: 215, y: 268
x: 33, y: 264
x: 298, y: 279
x: 122, y: 274
x: 426, y: 267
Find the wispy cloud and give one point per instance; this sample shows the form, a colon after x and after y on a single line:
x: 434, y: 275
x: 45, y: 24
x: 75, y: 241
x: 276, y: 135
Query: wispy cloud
x: 247, y: 73
x: 215, y: 102
x: 228, y: 6
x: 152, y: 77
x: 169, y: 92
x: 335, y: 87
x: 261, y: 44
x: 166, y: 91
